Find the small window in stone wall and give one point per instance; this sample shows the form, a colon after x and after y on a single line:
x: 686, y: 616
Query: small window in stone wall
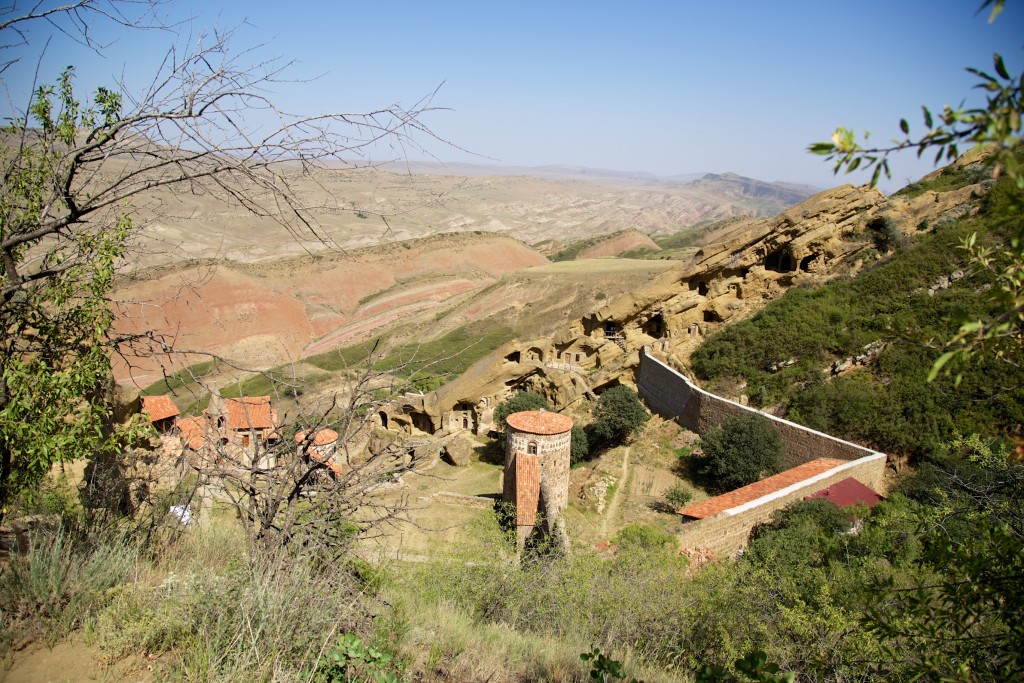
x: 531, y: 448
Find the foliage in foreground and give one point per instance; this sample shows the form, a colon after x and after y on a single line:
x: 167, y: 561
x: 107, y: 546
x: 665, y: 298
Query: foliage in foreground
x: 62, y: 583
x: 810, y: 595
x: 54, y: 281
x: 928, y: 585
x: 210, y: 609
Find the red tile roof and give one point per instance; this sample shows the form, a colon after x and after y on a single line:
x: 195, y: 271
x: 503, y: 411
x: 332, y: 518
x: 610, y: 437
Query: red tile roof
x: 195, y: 431
x: 249, y: 412
x: 776, y: 482
x: 849, y: 491
x: 321, y: 438
x: 159, y: 407
x: 527, y: 488
x: 539, y: 422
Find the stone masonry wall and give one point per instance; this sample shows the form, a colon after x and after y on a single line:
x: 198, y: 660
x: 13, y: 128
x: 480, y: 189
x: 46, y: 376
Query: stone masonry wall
x: 727, y: 532
x: 553, y: 458
x: 671, y: 395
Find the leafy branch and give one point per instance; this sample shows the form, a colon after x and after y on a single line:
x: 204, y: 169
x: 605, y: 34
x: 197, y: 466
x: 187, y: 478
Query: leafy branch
x: 998, y: 124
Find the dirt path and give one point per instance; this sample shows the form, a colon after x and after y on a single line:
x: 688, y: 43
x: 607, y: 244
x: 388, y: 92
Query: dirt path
x: 613, y: 504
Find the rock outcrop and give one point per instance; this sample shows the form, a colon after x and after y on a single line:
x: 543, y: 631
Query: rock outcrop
x: 829, y: 234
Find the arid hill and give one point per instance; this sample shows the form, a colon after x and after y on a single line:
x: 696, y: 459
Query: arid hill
x: 262, y: 314
x: 211, y: 277
x: 619, y: 243
x: 357, y: 208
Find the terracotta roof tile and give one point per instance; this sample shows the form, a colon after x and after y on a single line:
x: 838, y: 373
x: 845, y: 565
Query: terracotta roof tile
x: 539, y: 422
x: 776, y: 482
x: 849, y: 491
x: 249, y: 412
x: 159, y: 407
x: 322, y: 437
x: 195, y: 431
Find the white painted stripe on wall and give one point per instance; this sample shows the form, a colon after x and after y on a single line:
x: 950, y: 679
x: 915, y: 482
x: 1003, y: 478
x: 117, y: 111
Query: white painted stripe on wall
x: 773, y: 418
x: 767, y: 498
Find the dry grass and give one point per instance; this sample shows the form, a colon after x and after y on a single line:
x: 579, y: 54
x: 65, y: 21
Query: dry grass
x: 443, y: 643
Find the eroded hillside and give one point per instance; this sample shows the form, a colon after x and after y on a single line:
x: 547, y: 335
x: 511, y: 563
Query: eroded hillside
x: 349, y: 209
x: 263, y: 314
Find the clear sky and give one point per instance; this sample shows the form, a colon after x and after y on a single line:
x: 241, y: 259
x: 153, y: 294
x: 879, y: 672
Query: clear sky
x: 663, y: 87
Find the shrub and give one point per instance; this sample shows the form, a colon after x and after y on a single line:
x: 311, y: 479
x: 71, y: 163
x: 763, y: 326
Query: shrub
x: 819, y: 513
x: 579, y: 447
x: 523, y: 400
x: 678, y: 496
x: 61, y: 583
x: 619, y: 413
x: 352, y: 660
x: 645, y: 537
x: 885, y: 233
x: 744, y: 449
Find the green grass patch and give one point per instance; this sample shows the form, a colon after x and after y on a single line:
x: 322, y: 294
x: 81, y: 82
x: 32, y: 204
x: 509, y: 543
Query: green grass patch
x: 180, y: 379
x: 428, y: 365
x: 449, y: 356
x: 347, y: 357
x: 950, y: 178
x: 639, y: 252
x: 695, y: 234
x: 573, y: 250
x: 276, y: 382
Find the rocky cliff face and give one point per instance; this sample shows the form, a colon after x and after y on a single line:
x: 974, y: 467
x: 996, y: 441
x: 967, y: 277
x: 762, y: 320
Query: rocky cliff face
x: 832, y: 233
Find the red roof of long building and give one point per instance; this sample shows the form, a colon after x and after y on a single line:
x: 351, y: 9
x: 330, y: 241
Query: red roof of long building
x: 849, y: 491
x: 159, y: 407
x: 249, y: 412
x: 745, y: 494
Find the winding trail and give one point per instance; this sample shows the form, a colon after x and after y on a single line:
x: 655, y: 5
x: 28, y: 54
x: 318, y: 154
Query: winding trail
x: 613, y: 504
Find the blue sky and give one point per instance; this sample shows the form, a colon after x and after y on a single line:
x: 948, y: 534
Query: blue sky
x: 663, y: 87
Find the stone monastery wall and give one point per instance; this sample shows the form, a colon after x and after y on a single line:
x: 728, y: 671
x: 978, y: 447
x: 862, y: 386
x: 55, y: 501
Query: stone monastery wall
x: 726, y: 533
x: 671, y: 395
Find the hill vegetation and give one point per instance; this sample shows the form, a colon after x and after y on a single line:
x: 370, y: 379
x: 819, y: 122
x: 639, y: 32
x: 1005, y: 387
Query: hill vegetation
x: 852, y: 358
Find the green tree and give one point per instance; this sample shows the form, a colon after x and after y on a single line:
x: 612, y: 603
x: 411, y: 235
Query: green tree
x: 73, y: 175
x: 520, y: 401
x: 579, y: 446
x: 959, y: 615
x: 54, y: 286
x: 618, y: 414
x: 744, y: 449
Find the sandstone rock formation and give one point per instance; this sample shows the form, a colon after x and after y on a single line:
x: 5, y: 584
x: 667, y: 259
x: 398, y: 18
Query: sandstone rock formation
x: 826, y: 235
x: 459, y: 450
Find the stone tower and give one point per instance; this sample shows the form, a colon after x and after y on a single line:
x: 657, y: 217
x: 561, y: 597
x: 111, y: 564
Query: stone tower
x: 537, y: 469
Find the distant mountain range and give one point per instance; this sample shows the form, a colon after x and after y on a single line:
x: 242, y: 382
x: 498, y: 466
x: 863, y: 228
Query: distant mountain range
x: 572, y: 172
